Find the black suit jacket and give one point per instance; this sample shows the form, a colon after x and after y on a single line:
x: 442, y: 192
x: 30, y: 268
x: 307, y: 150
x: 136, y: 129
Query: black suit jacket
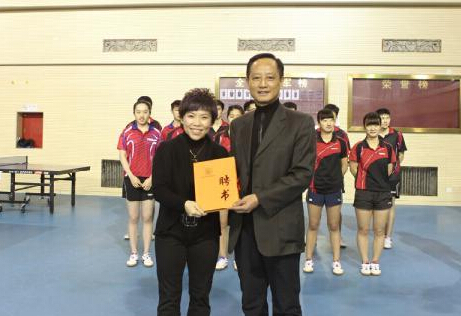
x: 282, y: 169
x: 172, y: 182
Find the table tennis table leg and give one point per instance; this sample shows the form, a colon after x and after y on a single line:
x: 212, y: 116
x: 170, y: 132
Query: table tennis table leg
x: 72, y: 198
x: 42, y: 185
x: 51, y: 193
x: 12, y: 187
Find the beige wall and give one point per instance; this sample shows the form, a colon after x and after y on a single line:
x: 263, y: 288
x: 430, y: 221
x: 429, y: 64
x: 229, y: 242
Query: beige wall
x: 54, y: 60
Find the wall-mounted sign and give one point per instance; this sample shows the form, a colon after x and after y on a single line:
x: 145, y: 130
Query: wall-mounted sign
x: 307, y: 91
x: 418, y: 103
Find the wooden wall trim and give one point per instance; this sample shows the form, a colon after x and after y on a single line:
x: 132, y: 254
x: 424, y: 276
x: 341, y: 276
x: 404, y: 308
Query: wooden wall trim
x: 11, y: 6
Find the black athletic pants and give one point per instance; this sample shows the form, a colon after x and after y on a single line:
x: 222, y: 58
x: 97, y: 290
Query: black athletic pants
x: 172, y: 253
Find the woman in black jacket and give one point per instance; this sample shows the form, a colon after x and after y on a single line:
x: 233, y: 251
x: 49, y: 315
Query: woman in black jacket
x: 185, y: 234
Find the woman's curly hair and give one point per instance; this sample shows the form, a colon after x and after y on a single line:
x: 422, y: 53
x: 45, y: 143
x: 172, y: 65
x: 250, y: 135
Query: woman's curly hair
x: 199, y: 99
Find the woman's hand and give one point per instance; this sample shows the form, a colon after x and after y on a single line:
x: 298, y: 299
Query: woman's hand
x: 147, y: 184
x: 192, y: 209
x: 135, y: 181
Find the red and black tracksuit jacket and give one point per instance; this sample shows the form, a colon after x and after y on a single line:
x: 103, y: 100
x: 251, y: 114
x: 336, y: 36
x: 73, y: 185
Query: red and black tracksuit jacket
x: 328, y: 176
x: 395, y: 138
x: 372, y: 171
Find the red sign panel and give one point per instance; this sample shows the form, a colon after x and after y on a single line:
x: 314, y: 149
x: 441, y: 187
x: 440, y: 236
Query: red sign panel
x: 413, y: 103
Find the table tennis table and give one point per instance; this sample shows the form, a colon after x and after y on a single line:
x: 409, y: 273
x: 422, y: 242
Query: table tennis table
x: 48, y: 174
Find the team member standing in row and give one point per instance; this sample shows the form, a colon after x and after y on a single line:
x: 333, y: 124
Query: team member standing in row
x: 249, y: 106
x: 137, y: 146
x: 371, y: 163
x: 219, y: 125
x: 340, y: 133
x: 326, y: 189
x: 176, y: 119
x: 395, y: 138
x: 223, y: 138
x: 147, y: 100
x: 174, y: 133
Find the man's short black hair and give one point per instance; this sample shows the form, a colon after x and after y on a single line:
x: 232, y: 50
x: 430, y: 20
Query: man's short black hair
x: 145, y: 99
x: 235, y: 107
x: 199, y: 99
x: 149, y: 105
x: 291, y: 105
x: 175, y: 103
x: 332, y: 107
x: 246, y: 105
x: 325, y: 114
x: 371, y: 118
x: 220, y: 104
x: 279, y: 63
x: 382, y: 111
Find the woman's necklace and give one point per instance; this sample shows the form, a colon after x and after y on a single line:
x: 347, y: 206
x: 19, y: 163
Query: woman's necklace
x: 194, y: 156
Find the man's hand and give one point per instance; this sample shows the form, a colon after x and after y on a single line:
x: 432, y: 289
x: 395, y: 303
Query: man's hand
x: 246, y: 205
x: 192, y: 209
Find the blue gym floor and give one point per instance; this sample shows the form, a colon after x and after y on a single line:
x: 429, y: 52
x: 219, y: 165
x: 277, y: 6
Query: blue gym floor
x: 73, y: 263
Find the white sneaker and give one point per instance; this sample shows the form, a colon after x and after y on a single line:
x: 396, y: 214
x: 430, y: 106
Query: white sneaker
x: 342, y: 244
x: 147, y: 260
x: 308, y: 266
x: 365, y: 270
x: 375, y: 270
x: 235, y: 265
x: 337, y: 269
x: 387, y: 243
x: 133, y: 260
x: 222, y: 263
x: 127, y: 237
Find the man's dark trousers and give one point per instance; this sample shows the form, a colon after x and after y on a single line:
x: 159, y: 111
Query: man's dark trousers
x: 257, y: 272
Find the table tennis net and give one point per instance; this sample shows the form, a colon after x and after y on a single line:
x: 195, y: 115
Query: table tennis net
x: 13, y: 160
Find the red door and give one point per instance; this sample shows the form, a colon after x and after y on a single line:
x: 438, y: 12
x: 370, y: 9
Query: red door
x: 32, y: 128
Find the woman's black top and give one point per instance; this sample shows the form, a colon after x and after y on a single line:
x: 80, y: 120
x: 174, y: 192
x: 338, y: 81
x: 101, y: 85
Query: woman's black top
x: 173, y: 182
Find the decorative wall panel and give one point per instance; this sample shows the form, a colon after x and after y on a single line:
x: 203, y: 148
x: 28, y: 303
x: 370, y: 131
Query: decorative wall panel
x: 130, y: 45
x: 412, y: 46
x: 270, y: 44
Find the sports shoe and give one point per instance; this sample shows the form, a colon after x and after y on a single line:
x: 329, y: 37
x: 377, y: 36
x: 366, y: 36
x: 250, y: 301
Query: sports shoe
x: 375, y: 270
x: 337, y: 269
x: 133, y: 260
x: 222, y: 263
x: 365, y: 270
x: 387, y: 243
x: 235, y: 265
x: 342, y: 244
x: 308, y: 266
x: 147, y: 260
x: 127, y: 237
x: 153, y: 236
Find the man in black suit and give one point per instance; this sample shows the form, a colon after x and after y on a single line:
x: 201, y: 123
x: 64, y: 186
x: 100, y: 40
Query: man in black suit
x: 275, y: 153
